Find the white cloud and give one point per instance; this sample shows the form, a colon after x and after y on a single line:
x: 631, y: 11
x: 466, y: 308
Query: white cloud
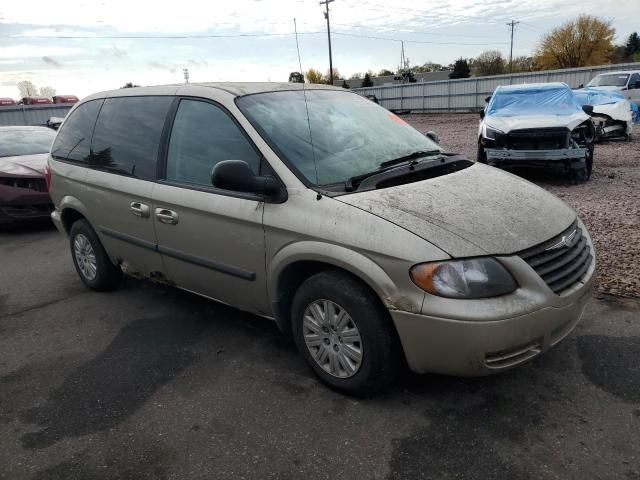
x: 28, y: 51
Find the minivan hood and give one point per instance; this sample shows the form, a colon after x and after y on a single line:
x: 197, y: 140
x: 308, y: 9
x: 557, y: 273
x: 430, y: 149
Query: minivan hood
x: 506, y: 124
x: 476, y: 211
x: 24, y: 165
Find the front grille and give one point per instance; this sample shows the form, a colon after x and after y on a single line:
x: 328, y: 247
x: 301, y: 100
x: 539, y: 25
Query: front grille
x: 562, y: 261
x: 535, y: 139
x: 37, y: 184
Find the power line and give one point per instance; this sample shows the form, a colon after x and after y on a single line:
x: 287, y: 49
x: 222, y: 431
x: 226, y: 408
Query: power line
x: 152, y: 37
x: 372, y: 37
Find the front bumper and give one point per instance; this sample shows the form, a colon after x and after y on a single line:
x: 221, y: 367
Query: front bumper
x: 23, y: 204
x: 485, y: 336
x: 469, y: 348
x: 518, y: 156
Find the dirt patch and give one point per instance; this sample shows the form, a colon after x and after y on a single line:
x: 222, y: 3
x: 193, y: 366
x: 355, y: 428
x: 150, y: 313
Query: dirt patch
x: 609, y: 203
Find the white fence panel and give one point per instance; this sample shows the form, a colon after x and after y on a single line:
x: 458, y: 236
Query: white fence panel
x: 468, y: 95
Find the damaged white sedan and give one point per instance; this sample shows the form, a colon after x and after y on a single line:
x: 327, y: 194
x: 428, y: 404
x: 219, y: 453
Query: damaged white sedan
x: 537, y: 125
x: 612, y: 115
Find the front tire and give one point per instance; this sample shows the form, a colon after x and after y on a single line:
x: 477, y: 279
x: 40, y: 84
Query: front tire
x: 345, y: 334
x: 481, y: 157
x: 92, y: 263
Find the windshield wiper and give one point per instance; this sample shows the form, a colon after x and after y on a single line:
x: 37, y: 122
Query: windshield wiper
x: 411, y: 159
x: 412, y: 156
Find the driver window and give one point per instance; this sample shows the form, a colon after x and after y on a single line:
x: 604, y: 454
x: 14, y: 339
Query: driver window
x: 634, y: 80
x: 203, y: 135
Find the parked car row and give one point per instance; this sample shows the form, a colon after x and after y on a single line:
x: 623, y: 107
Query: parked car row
x: 551, y: 125
x: 56, y: 99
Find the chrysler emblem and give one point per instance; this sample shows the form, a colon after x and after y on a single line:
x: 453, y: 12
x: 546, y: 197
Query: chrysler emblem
x: 565, y: 241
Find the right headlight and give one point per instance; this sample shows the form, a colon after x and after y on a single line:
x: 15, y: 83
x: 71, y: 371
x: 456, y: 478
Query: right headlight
x: 472, y: 278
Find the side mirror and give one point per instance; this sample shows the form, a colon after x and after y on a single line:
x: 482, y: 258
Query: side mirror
x: 237, y: 175
x: 488, y: 99
x: 433, y: 136
x: 581, y: 85
x: 482, y: 113
x: 588, y: 109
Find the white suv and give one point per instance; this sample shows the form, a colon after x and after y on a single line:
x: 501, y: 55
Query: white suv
x: 626, y: 82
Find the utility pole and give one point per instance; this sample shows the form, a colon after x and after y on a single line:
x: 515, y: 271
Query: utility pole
x: 326, y: 16
x: 511, y: 24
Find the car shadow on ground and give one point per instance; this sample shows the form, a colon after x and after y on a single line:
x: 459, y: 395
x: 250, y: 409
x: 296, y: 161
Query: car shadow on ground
x: 34, y: 226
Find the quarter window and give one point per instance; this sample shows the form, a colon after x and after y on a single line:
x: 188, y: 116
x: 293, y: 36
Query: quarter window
x: 127, y: 135
x: 203, y: 135
x: 73, y: 142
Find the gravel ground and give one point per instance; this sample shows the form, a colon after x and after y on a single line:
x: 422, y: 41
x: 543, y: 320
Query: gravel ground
x: 609, y: 203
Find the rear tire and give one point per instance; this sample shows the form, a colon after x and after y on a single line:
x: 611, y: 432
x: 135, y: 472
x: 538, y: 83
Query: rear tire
x: 92, y: 263
x: 345, y: 334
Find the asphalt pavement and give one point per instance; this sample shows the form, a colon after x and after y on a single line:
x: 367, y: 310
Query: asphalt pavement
x: 149, y: 382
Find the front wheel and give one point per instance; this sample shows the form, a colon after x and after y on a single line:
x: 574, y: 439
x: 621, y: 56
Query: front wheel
x: 344, y: 334
x: 482, y: 155
x: 90, y: 259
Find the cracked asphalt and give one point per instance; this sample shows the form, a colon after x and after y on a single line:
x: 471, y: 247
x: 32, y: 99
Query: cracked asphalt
x: 149, y: 382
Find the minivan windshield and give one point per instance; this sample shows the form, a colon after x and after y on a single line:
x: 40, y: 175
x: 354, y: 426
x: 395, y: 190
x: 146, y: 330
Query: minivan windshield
x: 346, y: 135
x: 609, y: 80
x: 25, y: 142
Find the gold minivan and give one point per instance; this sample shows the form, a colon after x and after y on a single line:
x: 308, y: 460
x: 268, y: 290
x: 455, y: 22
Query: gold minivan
x: 315, y: 207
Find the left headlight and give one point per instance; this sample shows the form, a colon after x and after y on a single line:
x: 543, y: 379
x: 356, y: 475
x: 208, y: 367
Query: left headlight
x: 473, y: 278
x: 491, y: 133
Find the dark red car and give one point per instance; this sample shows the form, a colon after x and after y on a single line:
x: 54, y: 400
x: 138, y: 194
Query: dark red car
x: 23, y: 158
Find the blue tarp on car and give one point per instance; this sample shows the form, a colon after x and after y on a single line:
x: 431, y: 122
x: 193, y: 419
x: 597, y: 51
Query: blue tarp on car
x: 588, y: 96
x: 533, y: 99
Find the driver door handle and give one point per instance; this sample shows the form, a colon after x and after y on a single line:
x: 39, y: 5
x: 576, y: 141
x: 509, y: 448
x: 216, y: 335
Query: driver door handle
x: 164, y: 215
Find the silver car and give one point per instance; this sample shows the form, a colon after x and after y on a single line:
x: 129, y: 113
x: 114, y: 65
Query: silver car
x: 317, y: 208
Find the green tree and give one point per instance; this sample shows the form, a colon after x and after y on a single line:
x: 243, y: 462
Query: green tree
x: 129, y: 85
x: 385, y: 73
x: 460, y: 69
x: 296, y: 77
x: 366, y: 82
x: 633, y: 45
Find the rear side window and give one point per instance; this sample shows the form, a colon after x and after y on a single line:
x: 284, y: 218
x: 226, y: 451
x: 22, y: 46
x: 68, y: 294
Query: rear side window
x: 127, y: 135
x: 203, y: 135
x: 73, y: 142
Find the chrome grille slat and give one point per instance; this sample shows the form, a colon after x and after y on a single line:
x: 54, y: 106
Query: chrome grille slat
x: 562, y: 266
x: 567, y: 282
x: 560, y: 272
x: 573, y: 252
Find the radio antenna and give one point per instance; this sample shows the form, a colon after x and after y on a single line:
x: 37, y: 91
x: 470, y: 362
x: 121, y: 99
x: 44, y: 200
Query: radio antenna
x: 306, y: 105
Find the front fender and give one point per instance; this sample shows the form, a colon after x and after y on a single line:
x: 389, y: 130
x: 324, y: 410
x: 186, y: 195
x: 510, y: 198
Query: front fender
x: 393, y: 296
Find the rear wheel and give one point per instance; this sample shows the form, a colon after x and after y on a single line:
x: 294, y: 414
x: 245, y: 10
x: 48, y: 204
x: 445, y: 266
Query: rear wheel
x: 344, y: 334
x: 90, y: 259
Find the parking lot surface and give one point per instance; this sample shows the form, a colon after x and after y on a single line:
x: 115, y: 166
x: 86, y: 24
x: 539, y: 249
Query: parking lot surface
x: 149, y: 382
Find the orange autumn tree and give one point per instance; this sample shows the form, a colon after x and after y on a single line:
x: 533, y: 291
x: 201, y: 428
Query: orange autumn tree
x: 582, y: 42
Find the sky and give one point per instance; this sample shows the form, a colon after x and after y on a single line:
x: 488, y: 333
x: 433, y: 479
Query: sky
x: 81, y: 47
